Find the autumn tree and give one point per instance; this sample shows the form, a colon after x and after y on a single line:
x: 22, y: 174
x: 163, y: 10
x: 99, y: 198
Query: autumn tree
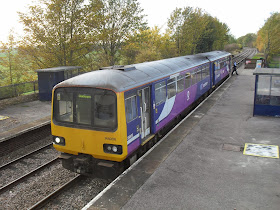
x: 55, y: 33
x: 195, y: 31
x: 184, y: 24
x: 148, y: 45
x: 268, y: 36
x: 112, y: 23
x: 10, y: 61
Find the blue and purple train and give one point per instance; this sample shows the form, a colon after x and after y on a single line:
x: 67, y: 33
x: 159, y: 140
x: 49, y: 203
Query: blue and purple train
x: 105, y: 119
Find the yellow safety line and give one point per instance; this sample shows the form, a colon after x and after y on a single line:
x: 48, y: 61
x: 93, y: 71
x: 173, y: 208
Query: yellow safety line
x: 262, y: 145
x: 3, y: 117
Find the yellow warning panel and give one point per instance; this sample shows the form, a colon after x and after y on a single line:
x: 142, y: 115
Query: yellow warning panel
x: 3, y: 117
x: 261, y: 150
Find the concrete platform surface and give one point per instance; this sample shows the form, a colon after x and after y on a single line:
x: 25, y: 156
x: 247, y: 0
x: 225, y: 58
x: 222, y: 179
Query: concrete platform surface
x: 201, y: 164
x: 23, y: 117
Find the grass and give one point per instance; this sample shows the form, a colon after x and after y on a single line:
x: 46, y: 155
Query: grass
x: 258, y: 56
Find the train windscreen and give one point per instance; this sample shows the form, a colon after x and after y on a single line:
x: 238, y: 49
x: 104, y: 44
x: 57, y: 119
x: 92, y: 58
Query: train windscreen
x: 86, y: 108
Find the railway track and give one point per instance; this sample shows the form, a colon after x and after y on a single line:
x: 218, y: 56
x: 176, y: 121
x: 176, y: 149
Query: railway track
x: 239, y: 58
x: 24, y: 156
x: 24, y: 139
x: 24, y: 177
x: 54, y: 194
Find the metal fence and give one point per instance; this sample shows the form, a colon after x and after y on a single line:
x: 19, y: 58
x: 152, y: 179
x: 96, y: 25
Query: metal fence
x: 18, y: 89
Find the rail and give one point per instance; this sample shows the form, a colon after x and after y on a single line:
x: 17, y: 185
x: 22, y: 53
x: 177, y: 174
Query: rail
x: 20, y: 179
x: 54, y: 194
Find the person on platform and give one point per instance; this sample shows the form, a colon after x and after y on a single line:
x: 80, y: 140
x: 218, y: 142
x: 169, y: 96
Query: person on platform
x: 234, y: 69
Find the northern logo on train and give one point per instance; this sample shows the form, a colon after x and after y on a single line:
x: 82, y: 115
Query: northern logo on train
x: 188, y: 95
x: 203, y: 85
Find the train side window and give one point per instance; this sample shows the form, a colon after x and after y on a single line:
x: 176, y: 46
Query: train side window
x: 160, y: 92
x: 180, y: 83
x: 198, y: 75
x: 171, y: 87
x: 64, y: 106
x: 188, y: 80
x: 204, y: 72
x: 130, y: 108
x: 193, y: 76
x: 208, y: 70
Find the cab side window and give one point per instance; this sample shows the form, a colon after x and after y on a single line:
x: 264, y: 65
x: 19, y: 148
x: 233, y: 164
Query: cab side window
x: 131, y: 108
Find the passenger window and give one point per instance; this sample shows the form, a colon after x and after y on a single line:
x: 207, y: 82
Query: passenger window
x: 180, y: 83
x: 171, y: 87
x: 197, y: 75
x: 204, y: 72
x: 130, y: 108
x: 160, y: 92
x: 188, y: 80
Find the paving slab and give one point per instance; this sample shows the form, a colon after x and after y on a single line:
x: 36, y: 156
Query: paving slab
x: 22, y: 117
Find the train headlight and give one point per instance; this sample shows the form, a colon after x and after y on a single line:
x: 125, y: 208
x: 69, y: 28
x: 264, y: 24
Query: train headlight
x: 59, y: 140
x: 112, y: 149
x: 115, y: 149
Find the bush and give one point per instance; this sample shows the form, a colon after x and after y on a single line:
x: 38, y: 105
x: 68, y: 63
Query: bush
x: 232, y: 47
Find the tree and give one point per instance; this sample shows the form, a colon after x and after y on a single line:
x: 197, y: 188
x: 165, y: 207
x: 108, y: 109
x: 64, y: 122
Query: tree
x: 248, y: 40
x: 268, y: 36
x: 148, y: 45
x: 55, y: 33
x: 112, y: 22
x: 9, y: 61
x: 195, y: 31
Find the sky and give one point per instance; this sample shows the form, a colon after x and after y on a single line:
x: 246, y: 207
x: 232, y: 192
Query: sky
x: 241, y: 16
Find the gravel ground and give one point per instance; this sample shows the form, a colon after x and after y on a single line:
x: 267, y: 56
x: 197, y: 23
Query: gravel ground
x: 20, y: 152
x: 26, y: 165
x: 32, y: 190
x: 79, y: 195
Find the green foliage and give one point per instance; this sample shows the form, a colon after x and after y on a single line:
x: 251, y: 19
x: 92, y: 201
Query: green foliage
x: 268, y: 40
x: 148, y: 45
x: 258, y: 56
x: 249, y: 40
x: 111, y: 22
x: 55, y: 33
x: 195, y: 31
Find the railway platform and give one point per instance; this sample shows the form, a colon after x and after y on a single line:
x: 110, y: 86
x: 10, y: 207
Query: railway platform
x: 201, y: 164
x: 23, y: 117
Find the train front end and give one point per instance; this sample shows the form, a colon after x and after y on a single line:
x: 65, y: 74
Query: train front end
x: 88, y: 128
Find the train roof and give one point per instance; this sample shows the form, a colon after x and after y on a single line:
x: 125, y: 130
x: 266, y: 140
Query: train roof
x: 122, y: 78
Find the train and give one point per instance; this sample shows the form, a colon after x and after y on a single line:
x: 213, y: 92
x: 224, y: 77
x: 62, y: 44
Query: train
x: 104, y: 120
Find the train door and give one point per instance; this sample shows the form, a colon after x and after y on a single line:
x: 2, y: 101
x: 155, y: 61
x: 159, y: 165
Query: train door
x: 213, y: 74
x: 145, y: 111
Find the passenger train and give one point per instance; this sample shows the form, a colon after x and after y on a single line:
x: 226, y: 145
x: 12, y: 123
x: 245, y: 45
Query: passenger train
x: 102, y: 121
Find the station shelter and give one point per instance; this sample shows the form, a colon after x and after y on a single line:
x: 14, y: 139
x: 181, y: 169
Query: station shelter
x: 267, y: 92
x: 48, y: 78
